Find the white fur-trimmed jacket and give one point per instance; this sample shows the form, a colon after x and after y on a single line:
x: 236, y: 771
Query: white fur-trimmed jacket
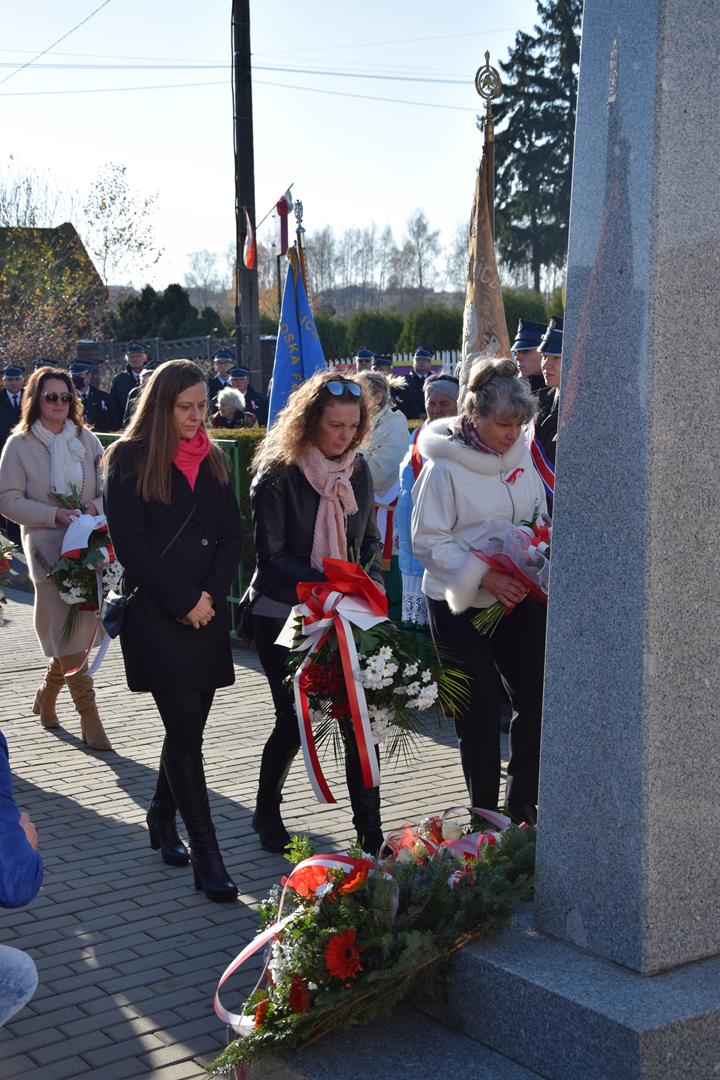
x: 457, y: 491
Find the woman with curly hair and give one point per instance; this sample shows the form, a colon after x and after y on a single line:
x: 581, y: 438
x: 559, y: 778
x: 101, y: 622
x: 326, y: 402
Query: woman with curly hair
x: 312, y: 498
x: 52, y: 453
x: 479, y: 468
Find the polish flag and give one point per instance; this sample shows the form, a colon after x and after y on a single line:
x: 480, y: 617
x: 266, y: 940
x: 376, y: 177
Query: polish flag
x: 283, y: 208
x: 249, y: 251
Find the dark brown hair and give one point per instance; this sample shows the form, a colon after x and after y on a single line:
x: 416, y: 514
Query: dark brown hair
x: 30, y: 406
x: 295, y: 425
x: 152, y: 436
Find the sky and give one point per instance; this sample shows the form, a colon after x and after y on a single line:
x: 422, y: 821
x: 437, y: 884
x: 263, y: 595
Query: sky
x: 147, y: 84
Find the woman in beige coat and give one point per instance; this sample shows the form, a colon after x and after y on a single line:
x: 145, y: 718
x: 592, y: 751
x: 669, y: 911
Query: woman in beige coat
x: 52, y: 452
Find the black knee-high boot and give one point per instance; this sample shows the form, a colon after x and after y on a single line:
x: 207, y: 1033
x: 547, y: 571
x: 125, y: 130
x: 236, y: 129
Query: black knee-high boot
x: 161, y: 822
x: 186, y: 778
x: 277, y: 757
x: 365, y: 802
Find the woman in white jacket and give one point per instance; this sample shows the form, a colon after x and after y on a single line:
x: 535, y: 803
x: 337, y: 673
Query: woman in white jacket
x: 479, y: 467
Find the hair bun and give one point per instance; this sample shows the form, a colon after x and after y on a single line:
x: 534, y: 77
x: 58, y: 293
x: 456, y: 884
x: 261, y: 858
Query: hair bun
x: 492, y: 367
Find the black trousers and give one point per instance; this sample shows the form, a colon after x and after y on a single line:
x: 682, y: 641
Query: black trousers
x: 184, y: 714
x: 515, y: 654
x: 285, y: 735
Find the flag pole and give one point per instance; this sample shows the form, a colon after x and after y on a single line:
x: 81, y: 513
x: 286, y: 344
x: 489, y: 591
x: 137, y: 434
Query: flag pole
x: 299, y: 233
x: 489, y: 86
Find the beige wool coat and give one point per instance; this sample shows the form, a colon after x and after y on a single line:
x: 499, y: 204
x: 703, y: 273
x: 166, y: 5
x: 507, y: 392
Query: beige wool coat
x: 25, y: 499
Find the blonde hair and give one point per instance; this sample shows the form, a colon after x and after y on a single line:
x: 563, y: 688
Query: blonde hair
x: 494, y: 389
x: 375, y: 382
x: 294, y: 426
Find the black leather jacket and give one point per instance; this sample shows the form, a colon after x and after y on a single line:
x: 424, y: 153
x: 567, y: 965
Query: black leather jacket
x: 284, y: 508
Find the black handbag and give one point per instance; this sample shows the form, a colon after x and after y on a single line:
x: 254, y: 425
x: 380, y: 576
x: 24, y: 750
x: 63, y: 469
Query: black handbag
x: 113, y: 609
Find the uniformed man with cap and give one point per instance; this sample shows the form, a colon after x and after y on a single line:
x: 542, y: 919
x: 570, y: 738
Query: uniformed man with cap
x: 414, y: 398
x: 125, y: 381
x: 255, y: 402
x: 543, y: 445
x: 13, y: 378
x: 97, y: 411
x: 398, y: 388
x: 134, y: 395
x: 222, y: 360
x: 44, y: 362
x: 363, y: 358
x: 525, y: 350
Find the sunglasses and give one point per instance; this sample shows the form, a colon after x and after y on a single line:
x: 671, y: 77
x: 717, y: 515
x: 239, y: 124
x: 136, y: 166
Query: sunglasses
x: 338, y: 388
x: 53, y: 398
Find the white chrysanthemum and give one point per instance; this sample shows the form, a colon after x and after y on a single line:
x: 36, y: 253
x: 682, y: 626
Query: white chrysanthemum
x: 426, y: 676
x: 411, y: 670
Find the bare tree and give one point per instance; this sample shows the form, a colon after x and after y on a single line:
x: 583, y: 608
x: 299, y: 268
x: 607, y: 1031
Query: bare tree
x: 423, y: 245
x: 31, y: 200
x: 203, y: 279
x: 322, y: 260
x: 457, y: 257
x: 117, y: 226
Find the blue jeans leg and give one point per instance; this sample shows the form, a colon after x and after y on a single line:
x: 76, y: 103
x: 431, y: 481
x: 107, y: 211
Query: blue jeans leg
x: 18, y: 981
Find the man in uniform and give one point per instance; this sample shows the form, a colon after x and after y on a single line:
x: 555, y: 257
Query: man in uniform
x: 125, y: 381
x: 414, y: 397
x: 255, y: 402
x: 363, y: 358
x: 543, y: 444
x: 222, y: 360
x: 97, y: 412
x: 134, y: 395
x: 526, y: 353
x: 11, y: 393
x: 384, y: 365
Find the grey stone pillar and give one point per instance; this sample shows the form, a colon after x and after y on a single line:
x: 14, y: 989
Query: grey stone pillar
x: 615, y: 974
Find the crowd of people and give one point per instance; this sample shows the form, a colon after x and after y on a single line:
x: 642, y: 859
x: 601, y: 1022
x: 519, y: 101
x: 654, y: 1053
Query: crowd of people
x: 338, y: 475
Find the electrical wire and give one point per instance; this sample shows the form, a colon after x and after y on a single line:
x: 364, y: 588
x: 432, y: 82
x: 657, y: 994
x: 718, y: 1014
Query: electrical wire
x: 67, y: 35
x: 365, y: 97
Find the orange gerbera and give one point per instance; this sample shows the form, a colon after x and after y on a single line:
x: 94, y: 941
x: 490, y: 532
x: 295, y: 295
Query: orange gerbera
x: 342, y: 956
x: 260, y: 1012
x: 355, y: 878
x: 299, y: 996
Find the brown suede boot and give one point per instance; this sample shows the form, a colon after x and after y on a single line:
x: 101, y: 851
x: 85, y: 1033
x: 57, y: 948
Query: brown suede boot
x: 46, y: 697
x: 83, y: 695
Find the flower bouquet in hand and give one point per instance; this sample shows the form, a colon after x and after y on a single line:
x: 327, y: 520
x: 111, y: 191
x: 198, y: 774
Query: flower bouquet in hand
x: 520, y: 551
x: 352, y: 668
x: 346, y: 937
x: 87, y: 568
x: 6, y: 551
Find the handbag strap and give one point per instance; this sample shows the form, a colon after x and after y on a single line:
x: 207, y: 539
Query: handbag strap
x: 167, y: 547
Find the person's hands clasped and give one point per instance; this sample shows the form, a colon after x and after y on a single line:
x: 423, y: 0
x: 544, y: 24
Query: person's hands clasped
x: 505, y: 588
x: 64, y: 517
x: 202, y: 613
x: 29, y: 829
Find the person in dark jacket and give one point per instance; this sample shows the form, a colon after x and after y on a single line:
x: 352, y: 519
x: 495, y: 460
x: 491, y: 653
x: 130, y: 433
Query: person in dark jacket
x: 413, y: 403
x: 175, y: 526
x: 543, y: 445
x: 11, y: 395
x: 134, y: 395
x: 97, y: 411
x: 308, y: 466
x: 21, y: 875
x: 222, y: 360
x: 255, y: 402
x: 526, y: 352
x: 125, y: 381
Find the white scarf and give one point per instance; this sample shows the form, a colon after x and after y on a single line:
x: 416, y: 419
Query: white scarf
x: 67, y: 455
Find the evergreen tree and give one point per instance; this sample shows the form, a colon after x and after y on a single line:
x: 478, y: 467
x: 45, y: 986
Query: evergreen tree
x: 533, y: 151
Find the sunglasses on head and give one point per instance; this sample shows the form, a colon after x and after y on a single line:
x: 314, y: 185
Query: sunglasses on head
x: 337, y: 388
x: 53, y: 398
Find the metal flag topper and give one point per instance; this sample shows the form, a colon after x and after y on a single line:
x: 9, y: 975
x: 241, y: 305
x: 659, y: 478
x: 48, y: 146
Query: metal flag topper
x: 489, y: 86
x: 300, y: 232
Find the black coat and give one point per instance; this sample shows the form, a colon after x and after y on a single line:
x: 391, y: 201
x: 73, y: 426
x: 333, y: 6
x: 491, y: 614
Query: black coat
x: 97, y: 410
x: 8, y: 416
x: 215, y: 386
x: 257, y: 404
x: 413, y: 397
x: 120, y: 387
x: 284, y: 508
x: 161, y: 653
x: 546, y: 424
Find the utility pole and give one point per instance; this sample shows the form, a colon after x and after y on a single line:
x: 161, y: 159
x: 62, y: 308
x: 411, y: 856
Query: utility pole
x: 247, y: 322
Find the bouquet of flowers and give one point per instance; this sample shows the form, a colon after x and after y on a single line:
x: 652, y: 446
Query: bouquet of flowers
x: 523, y: 552
x: 350, y: 666
x: 87, y: 568
x: 6, y: 551
x: 347, y: 937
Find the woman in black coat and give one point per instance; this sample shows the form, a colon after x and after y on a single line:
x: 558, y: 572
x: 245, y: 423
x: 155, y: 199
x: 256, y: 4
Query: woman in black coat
x: 175, y: 525
x: 310, y: 485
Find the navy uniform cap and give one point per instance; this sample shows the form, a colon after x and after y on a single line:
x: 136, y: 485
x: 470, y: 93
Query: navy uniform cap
x: 364, y: 353
x: 421, y: 353
x: 12, y: 371
x: 529, y: 335
x: 78, y: 368
x: 551, y: 344
x: 134, y: 346
x: 44, y: 362
x: 382, y: 362
x: 238, y: 373
x: 223, y: 354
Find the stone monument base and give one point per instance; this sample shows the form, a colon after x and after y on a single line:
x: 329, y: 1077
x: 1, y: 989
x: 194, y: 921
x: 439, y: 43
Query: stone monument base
x: 569, y: 1015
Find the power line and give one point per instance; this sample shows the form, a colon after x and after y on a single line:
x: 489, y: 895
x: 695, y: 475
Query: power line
x: 365, y: 97
x: 107, y: 89
x: 67, y: 35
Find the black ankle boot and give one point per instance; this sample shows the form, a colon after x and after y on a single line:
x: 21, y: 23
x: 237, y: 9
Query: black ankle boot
x: 164, y: 838
x: 524, y: 812
x: 277, y: 757
x: 186, y: 778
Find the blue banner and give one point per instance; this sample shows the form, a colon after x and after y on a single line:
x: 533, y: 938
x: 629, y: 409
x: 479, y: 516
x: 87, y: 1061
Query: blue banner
x: 298, y: 353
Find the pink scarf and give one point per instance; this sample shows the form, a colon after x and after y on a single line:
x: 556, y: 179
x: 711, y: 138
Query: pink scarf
x: 190, y: 455
x: 331, y: 480
x: 464, y: 430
